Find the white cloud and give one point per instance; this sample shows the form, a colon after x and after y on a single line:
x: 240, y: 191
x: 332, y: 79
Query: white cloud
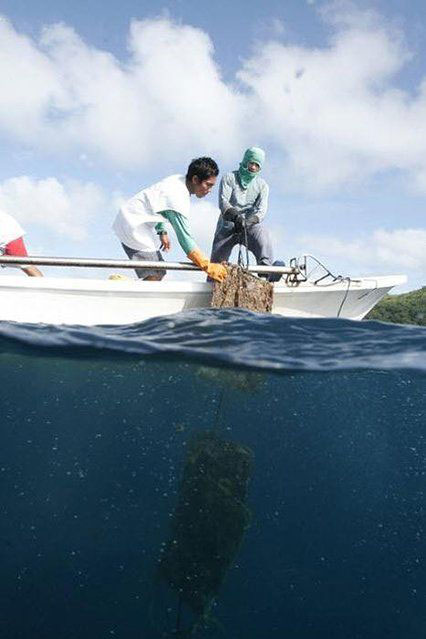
x: 269, y: 27
x: 402, y: 247
x: 399, y: 249
x: 66, y: 209
x: 204, y: 218
x: 169, y: 98
x: 333, y: 115
x: 28, y: 84
x: 335, y: 110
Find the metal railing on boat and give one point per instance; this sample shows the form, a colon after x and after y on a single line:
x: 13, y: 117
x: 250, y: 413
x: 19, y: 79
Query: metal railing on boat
x: 10, y: 260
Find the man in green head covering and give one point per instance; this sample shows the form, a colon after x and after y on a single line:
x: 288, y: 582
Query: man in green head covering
x: 253, y: 160
x: 243, y: 202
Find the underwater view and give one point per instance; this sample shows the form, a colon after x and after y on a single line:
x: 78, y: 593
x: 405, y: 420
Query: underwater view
x: 213, y: 474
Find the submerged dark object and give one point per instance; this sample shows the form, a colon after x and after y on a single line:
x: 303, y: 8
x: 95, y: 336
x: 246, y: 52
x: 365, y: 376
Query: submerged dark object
x: 209, y: 521
x: 243, y: 290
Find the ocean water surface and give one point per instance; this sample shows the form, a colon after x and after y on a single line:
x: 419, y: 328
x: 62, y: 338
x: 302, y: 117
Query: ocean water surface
x: 213, y: 474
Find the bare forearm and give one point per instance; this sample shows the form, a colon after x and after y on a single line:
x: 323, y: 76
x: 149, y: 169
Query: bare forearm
x: 32, y: 271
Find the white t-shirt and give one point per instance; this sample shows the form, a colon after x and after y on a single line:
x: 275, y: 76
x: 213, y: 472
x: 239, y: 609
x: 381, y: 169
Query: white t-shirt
x: 9, y: 229
x: 135, y: 222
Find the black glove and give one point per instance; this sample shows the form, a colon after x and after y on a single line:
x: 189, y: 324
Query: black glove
x: 231, y: 214
x: 251, y: 220
x: 239, y: 223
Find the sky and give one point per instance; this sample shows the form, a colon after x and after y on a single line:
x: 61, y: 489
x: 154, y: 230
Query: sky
x: 99, y: 99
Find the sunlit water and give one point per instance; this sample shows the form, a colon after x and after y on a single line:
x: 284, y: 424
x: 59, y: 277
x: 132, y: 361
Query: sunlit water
x: 96, y: 428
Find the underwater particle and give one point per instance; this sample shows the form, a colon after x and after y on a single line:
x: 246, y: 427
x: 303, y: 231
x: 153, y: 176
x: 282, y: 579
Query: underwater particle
x: 209, y: 522
x: 179, y: 428
x: 246, y: 381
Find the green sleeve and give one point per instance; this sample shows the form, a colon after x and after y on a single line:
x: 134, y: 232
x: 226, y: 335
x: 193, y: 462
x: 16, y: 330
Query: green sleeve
x: 181, y: 228
x: 160, y: 228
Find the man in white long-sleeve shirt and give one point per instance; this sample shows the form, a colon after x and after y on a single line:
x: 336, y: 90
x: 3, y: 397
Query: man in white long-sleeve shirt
x: 143, y: 217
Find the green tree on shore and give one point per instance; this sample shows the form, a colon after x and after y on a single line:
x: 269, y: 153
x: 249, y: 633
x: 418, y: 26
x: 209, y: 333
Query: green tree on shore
x: 407, y: 308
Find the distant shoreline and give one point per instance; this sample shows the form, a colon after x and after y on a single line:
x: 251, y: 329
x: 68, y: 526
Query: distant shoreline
x: 406, y: 308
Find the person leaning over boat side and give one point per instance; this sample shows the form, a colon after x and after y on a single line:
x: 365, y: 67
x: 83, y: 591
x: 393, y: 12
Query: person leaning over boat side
x: 12, y: 243
x: 243, y: 201
x: 143, y: 216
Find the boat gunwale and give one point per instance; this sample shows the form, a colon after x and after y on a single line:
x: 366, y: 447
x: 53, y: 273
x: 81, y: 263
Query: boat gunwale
x: 138, y: 287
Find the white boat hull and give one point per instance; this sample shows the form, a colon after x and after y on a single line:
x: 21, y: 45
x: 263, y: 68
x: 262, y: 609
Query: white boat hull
x: 93, y: 302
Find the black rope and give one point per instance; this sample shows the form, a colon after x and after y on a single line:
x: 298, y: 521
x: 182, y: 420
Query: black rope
x: 348, y: 279
x: 246, y: 242
x: 243, y: 241
x: 178, y: 616
x: 335, y: 279
x: 240, y: 257
x: 178, y: 632
x: 219, y: 408
x: 338, y: 278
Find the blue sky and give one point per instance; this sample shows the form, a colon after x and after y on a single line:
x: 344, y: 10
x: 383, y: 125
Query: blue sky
x: 99, y: 99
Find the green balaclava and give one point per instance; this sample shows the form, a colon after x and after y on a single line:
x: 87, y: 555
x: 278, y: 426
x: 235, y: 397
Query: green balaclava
x: 253, y: 154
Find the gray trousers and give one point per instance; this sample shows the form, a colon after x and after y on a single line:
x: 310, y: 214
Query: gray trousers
x: 145, y: 256
x: 258, y: 242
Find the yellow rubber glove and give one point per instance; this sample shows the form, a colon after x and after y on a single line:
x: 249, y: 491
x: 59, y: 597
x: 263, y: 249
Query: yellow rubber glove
x: 118, y: 276
x: 216, y: 271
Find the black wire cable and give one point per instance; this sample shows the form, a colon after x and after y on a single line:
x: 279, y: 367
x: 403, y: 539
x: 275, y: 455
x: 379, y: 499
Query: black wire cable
x: 243, y: 240
x: 336, y: 279
x: 348, y: 279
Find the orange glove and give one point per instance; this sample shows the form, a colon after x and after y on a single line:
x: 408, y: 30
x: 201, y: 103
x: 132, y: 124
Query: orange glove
x: 215, y: 271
